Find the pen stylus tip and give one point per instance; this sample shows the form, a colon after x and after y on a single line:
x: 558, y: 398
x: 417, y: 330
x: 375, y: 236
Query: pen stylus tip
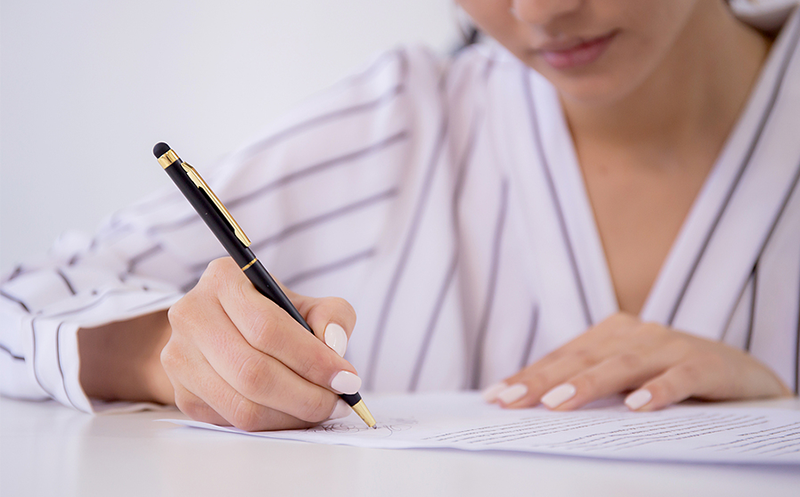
x: 160, y: 149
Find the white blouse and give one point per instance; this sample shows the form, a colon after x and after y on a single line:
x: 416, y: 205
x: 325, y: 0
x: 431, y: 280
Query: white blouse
x: 443, y: 199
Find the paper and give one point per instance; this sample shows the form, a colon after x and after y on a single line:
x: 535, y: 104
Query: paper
x: 700, y: 433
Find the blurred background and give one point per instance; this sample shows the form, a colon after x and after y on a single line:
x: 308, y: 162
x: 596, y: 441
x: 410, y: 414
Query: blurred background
x: 87, y: 87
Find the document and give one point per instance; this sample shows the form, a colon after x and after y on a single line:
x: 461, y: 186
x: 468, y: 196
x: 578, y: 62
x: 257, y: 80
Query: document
x: 713, y: 433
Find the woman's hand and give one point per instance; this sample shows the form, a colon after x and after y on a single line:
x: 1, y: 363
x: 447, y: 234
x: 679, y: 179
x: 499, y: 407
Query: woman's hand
x: 663, y: 366
x: 234, y: 357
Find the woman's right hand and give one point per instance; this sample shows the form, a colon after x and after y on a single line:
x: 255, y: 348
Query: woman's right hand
x: 235, y: 358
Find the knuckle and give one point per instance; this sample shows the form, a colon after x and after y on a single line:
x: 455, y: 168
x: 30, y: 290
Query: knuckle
x: 540, y: 381
x: 315, y: 408
x: 587, y: 382
x: 171, y: 358
x: 191, y: 406
x: 263, y: 331
x: 584, y: 357
x: 665, y: 390
x: 245, y: 415
x: 179, y: 312
x: 631, y: 361
x: 316, y: 366
x: 689, y: 370
x: 251, y: 378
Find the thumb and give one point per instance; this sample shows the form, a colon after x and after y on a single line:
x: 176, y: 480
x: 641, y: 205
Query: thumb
x: 331, y: 318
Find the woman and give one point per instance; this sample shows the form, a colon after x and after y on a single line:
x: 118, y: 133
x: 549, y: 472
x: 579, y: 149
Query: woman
x: 604, y: 204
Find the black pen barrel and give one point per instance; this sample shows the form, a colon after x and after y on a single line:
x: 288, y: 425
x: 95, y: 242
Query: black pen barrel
x: 268, y: 287
x: 205, y: 207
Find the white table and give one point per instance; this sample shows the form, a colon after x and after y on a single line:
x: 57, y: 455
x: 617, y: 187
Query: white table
x: 49, y: 450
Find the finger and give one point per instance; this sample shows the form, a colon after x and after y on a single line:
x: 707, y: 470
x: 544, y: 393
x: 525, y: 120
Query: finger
x: 331, y: 318
x: 269, y: 329
x: 526, y: 388
x: 256, y: 375
x: 194, y: 407
x: 587, y: 350
x: 616, y: 374
x: 201, y: 384
x: 676, y: 384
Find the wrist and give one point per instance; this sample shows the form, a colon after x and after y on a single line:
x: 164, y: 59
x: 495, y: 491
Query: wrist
x: 121, y: 361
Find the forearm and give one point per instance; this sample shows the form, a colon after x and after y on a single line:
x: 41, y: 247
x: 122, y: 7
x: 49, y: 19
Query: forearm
x: 121, y: 361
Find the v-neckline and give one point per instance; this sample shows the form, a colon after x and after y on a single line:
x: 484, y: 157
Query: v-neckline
x: 689, y: 246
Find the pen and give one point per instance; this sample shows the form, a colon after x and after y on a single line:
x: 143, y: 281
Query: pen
x: 236, y: 243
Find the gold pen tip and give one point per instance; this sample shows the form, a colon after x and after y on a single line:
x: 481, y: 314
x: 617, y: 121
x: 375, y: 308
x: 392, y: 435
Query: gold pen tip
x: 361, y: 409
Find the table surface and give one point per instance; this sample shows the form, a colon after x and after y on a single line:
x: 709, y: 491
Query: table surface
x: 50, y: 450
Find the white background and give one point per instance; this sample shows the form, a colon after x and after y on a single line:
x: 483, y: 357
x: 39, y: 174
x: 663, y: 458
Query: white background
x: 87, y: 87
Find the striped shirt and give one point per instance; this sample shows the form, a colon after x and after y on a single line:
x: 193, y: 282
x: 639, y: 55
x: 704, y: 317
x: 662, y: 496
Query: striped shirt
x: 443, y: 199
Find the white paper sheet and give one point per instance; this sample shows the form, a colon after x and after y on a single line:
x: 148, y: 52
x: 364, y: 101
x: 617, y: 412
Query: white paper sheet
x: 701, y: 433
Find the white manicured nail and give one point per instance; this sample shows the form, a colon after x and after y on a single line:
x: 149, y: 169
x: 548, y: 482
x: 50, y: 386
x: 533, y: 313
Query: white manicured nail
x: 341, y: 410
x: 638, y: 399
x: 512, y: 393
x: 490, y: 394
x: 558, y: 395
x: 346, y: 382
x: 336, y: 338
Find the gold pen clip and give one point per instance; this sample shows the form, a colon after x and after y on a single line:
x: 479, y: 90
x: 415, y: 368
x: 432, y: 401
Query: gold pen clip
x: 200, y: 183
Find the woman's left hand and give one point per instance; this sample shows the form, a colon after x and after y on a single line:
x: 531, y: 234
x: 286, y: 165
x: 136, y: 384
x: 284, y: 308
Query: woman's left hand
x: 661, y: 365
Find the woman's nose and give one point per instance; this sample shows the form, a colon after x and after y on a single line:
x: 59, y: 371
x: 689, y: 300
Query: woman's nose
x: 542, y: 12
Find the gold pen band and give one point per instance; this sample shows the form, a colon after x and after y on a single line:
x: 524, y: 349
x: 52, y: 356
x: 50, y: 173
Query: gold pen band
x: 168, y: 158
x: 247, y: 266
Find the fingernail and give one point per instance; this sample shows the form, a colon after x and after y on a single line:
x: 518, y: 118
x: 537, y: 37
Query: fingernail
x: 336, y: 338
x: 638, y: 399
x: 341, y: 410
x: 512, y: 393
x: 558, y: 395
x: 346, y: 382
x: 490, y: 394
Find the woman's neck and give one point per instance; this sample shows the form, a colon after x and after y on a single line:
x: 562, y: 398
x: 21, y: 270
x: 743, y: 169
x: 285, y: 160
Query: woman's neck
x: 690, y: 101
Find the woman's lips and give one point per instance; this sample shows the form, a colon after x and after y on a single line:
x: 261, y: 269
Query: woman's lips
x: 576, y: 54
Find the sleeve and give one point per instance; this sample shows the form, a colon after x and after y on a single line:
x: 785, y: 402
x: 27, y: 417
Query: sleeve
x: 328, y: 171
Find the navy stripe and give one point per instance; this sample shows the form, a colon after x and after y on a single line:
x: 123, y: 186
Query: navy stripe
x: 60, y: 369
x: 314, y: 222
x: 291, y: 177
x: 97, y: 302
x: 66, y: 281
x: 491, y: 289
x: 16, y: 272
x: 797, y: 351
x: 14, y: 299
x: 330, y: 267
x: 13, y: 356
x: 33, y: 360
x: 384, y: 99
x: 450, y: 274
x: 326, y: 217
x: 527, y: 349
x: 271, y: 140
x: 338, y: 114
x: 556, y: 201
x: 388, y: 300
x: 139, y: 258
x: 753, y: 298
x: 432, y: 321
x: 738, y: 301
x: 378, y: 146
x: 745, y: 163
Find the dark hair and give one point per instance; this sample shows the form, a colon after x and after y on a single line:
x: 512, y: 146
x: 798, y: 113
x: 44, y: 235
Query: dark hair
x: 469, y: 37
